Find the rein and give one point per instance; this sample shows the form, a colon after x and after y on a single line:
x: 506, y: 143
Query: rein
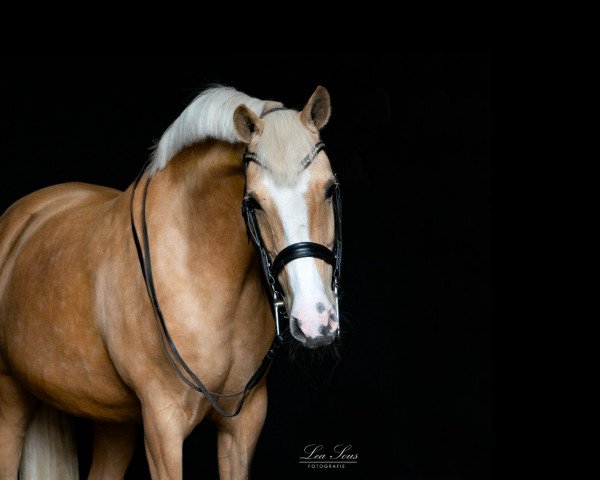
x: 167, y: 343
x: 270, y: 271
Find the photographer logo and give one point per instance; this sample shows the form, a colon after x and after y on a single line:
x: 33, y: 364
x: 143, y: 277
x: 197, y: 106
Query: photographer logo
x: 318, y: 456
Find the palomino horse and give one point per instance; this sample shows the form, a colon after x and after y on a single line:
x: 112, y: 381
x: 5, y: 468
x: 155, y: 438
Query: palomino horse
x: 78, y: 316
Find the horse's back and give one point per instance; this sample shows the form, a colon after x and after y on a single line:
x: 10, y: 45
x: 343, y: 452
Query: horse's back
x: 27, y: 215
x: 45, y: 203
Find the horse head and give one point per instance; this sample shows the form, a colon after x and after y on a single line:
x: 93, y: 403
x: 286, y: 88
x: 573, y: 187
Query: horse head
x: 291, y: 205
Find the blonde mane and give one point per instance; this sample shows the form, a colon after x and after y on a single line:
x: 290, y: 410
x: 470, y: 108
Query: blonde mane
x: 210, y: 115
x: 283, y: 143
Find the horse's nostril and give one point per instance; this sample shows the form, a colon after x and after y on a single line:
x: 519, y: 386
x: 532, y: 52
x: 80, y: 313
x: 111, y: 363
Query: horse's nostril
x: 320, y: 307
x: 296, y: 324
x: 325, y: 329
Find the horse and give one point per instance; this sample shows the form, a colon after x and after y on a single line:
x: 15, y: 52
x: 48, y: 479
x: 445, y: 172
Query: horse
x: 82, y: 290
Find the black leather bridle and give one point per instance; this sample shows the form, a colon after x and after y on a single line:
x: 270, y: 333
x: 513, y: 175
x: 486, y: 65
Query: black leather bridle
x: 271, y: 272
x: 294, y: 251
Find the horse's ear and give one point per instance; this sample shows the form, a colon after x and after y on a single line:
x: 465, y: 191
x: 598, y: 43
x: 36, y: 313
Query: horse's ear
x: 247, y: 125
x: 317, y: 111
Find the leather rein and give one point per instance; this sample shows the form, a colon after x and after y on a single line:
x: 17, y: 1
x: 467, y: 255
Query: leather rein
x: 270, y: 271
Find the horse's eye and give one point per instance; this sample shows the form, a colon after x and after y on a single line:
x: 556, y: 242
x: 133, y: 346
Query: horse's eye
x: 330, y: 190
x: 252, y: 203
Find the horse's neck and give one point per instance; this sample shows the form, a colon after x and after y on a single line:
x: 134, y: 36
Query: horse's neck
x: 200, y: 251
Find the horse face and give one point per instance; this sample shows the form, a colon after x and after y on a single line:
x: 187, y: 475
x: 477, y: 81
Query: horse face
x: 292, y: 204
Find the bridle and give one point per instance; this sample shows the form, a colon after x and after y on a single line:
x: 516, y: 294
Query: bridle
x: 294, y: 251
x: 271, y: 272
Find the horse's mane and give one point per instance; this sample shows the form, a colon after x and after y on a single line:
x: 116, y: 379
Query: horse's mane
x: 210, y: 115
x: 283, y: 144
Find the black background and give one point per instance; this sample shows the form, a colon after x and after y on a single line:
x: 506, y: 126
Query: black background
x: 410, y: 141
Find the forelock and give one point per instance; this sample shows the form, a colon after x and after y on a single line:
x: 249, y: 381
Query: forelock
x: 283, y: 144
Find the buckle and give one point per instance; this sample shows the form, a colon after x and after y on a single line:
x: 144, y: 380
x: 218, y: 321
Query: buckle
x: 277, y: 304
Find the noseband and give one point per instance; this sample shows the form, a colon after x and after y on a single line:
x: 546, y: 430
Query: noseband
x: 271, y: 272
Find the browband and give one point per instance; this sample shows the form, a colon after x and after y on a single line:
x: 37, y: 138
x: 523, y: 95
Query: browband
x: 276, y: 109
x: 306, y: 161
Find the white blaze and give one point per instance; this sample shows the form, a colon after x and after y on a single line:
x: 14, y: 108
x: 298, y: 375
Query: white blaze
x: 305, y: 281
x: 293, y: 212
